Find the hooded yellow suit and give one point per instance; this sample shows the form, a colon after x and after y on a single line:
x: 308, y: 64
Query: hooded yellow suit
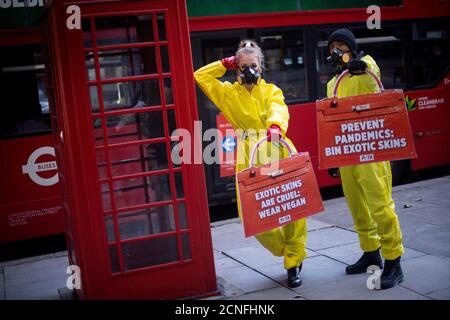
x: 368, y: 187
x: 256, y: 110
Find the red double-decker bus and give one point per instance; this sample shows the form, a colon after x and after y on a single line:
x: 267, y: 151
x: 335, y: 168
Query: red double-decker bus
x: 411, y: 47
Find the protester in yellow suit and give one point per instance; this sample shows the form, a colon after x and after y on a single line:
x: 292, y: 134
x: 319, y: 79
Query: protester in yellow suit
x: 367, y: 187
x: 252, y: 105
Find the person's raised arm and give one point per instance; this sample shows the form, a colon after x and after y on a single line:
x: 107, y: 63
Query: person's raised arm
x: 206, y: 78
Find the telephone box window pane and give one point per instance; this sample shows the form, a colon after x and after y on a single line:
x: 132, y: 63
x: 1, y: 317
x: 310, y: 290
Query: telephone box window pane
x: 171, y: 120
x: 182, y: 216
x: 115, y: 267
x: 90, y: 65
x: 119, y: 30
x: 151, y: 252
x: 134, y: 94
x: 106, y: 199
x: 86, y: 27
x: 101, y: 164
x: 165, y: 59
x: 168, y: 91
x: 146, y: 222
x: 135, y: 159
x: 186, y: 246
x: 136, y: 191
x: 179, y: 184
x: 135, y: 126
x: 175, y: 155
x: 127, y: 62
x: 94, y: 99
x: 161, y: 27
x: 109, y: 223
x: 98, y: 132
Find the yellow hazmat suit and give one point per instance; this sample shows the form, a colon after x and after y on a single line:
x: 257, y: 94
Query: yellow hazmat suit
x: 368, y: 187
x: 256, y: 110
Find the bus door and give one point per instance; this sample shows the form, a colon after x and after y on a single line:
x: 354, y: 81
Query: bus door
x: 428, y: 103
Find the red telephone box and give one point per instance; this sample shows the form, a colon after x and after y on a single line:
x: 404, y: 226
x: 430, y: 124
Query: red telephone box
x: 137, y: 224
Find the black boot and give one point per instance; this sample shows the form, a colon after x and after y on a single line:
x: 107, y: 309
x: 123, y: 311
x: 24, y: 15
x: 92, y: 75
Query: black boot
x: 293, y: 275
x: 367, y: 259
x: 392, y: 274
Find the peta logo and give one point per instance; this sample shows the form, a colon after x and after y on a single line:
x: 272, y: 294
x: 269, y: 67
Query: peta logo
x: 284, y: 219
x: 366, y: 157
x: 32, y: 168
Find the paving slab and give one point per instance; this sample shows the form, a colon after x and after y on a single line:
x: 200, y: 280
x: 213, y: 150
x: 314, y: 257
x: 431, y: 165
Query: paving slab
x: 223, y: 222
x: 428, y: 192
x: 258, y: 256
x: 217, y: 254
x: 226, y: 228
x: 246, y: 279
x: 27, y: 273
x: 2, y: 284
x: 354, y: 287
x: 314, y: 224
x: 315, y: 272
x: 336, y: 213
x: 226, y: 289
x: 426, y: 274
x: 232, y: 240
x: 440, y: 294
x: 427, y: 238
x: 31, y: 259
x: 254, y: 256
x: 226, y: 263
x: 40, y: 290
x: 350, y: 253
x: 280, y: 293
x: 432, y: 214
x: 36, y: 280
x: 330, y: 237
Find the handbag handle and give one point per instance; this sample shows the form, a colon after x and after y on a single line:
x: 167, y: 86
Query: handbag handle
x: 346, y: 72
x: 256, y: 146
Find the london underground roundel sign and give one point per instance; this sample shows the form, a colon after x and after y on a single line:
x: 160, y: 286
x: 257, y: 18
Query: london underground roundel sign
x: 32, y: 168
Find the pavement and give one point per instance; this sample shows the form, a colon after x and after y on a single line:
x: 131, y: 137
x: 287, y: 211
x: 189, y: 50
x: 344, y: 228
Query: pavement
x: 247, y: 271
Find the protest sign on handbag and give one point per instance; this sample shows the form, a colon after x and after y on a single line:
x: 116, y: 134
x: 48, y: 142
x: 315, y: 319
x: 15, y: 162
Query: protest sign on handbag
x: 278, y: 193
x: 365, y: 128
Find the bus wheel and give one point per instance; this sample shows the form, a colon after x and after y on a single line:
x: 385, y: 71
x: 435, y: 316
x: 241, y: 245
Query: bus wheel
x: 400, y: 171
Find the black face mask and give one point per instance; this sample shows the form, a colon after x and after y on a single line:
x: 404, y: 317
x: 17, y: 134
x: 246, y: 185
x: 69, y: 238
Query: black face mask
x: 339, y: 59
x: 248, y: 76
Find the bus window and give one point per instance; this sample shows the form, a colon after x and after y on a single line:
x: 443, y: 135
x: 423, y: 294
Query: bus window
x: 384, y: 45
x: 24, y: 99
x: 431, y: 51
x: 285, y: 62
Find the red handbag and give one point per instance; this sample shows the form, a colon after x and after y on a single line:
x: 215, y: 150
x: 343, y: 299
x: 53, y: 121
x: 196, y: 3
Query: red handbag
x: 277, y: 193
x: 363, y: 129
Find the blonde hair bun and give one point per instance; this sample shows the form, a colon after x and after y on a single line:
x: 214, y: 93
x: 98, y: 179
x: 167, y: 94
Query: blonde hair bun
x: 250, y: 47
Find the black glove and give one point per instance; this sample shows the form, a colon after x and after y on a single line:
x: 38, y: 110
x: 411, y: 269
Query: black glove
x: 357, y: 66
